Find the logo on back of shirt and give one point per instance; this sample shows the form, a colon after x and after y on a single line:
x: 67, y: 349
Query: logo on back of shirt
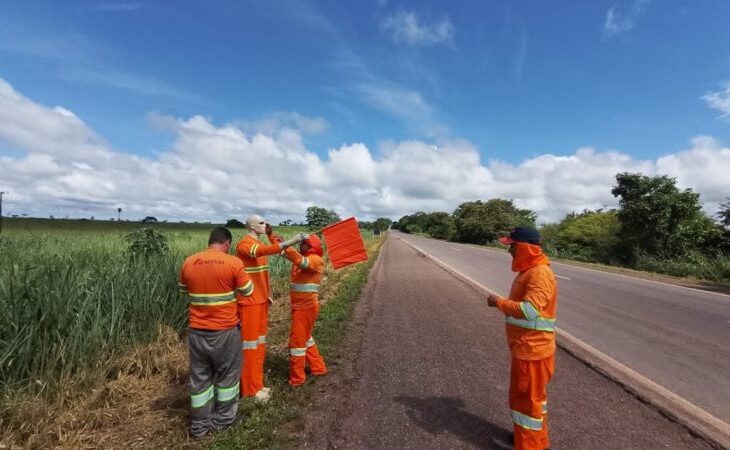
x: 200, y: 261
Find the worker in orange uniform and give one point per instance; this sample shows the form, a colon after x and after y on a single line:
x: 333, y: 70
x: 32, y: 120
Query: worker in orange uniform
x: 306, y: 276
x: 213, y: 280
x: 530, y: 313
x: 254, y: 311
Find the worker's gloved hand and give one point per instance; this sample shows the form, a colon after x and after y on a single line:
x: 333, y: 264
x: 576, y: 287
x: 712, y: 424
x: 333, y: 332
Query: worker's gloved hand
x: 294, y: 241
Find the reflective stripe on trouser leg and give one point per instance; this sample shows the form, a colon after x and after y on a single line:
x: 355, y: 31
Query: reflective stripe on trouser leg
x: 227, y: 379
x: 527, y: 398
x: 314, y: 358
x: 263, y: 330
x: 251, y: 372
x: 212, y: 354
x: 300, y: 338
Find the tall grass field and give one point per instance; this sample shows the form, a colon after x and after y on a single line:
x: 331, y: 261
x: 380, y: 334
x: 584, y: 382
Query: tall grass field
x: 73, y: 298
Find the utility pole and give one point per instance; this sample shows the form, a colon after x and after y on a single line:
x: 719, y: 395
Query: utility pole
x: 1, y: 210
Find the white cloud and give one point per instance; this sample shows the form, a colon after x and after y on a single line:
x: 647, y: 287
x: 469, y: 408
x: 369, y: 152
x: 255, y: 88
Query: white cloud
x: 720, y: 100
x: 618, y: 23
x: 405, y: 27
x: 291, y: 120
x: 214, y: 172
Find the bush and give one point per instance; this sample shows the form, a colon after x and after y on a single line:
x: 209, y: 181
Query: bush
x: 145, y: 243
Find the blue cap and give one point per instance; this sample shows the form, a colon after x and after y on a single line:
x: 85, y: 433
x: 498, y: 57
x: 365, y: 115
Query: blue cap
x: 522, y: 234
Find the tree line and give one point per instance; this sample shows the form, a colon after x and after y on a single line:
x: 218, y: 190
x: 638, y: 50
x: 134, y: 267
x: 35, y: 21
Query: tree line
x: 317, y: 217
x: 656, y: 227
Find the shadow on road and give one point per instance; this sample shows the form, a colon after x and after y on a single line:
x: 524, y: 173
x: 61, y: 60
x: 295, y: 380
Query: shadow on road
x: 440, y: 414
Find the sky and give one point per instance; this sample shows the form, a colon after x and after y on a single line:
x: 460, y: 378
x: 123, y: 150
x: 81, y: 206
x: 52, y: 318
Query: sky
x: 213, y: 110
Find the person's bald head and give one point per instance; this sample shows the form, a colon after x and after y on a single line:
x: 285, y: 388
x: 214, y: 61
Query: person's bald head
x: 256, y: 223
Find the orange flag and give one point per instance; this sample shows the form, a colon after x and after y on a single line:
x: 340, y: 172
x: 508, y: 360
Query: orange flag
x: 344, y: 243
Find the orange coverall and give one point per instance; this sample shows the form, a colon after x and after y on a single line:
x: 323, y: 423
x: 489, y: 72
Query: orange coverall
x: 254, y: 311
x: 530, y: 314
x: 306, y: 275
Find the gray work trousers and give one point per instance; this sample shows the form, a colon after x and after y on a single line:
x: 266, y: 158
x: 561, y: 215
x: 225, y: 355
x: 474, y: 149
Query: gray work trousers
x: 215, y: 373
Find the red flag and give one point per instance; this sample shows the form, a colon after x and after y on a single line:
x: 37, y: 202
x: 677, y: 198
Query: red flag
x: 344, y: 243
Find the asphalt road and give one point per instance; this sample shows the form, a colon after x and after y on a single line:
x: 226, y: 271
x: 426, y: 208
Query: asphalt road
x: 675, y: 336
x: 430, y: 369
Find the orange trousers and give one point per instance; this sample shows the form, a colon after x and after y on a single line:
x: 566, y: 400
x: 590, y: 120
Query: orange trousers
x: 528, y: 402
x: 302, y: 348
x: 254, y: 326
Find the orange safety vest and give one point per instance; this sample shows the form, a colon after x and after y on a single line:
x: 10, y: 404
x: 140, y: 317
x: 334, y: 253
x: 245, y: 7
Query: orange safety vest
x: 532, y: 305
x: 254, y: 255
x: 306, y: 276
x: 213, y: 281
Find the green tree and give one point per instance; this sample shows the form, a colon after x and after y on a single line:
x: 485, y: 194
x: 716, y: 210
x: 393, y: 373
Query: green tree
x: 481, y: 222
x: 724, y: 213
x: 318, y: 217
x: 440, y: 225
x: 382, y: 224
x: 657, y: 218
x: 588, y: 236
x: 413, y: 223
x: 234, y: 223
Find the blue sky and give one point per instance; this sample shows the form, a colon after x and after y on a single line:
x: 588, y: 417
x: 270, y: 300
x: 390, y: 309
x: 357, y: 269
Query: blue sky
x: 515, y: 80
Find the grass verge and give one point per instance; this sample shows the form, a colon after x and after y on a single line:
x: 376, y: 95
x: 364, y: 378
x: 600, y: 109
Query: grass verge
x: 144, y: 402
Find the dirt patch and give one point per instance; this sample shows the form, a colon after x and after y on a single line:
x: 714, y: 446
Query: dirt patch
x: 143, y: 404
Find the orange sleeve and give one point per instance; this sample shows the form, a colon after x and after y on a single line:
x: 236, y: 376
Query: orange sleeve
x: 537, y: 295
x: 511, y: 308
x: 243, y: 248
x: 316, y: 264
x: 294, y: 256
x: 312, y: 263
x: 538, y: 291
x: 243, y: 283
x: 247, y: 249
x: 273, y: 238
x: 181, y: 283
x: 266, y: 250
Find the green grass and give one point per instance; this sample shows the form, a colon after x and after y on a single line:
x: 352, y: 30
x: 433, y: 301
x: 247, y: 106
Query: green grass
x: 73, y: 300
x: 74, y: 304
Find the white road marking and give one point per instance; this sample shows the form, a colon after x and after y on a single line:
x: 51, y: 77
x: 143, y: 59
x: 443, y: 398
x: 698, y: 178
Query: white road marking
x: 564, y: 278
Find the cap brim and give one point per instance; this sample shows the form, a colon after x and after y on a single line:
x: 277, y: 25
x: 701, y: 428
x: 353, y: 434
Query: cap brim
x: 506, y: 240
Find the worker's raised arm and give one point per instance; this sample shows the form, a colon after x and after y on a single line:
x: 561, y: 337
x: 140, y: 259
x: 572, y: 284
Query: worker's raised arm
x: 297, y: 258
x: 537, y: 295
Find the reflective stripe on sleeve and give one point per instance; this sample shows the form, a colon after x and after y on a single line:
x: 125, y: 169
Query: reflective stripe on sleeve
x: 297, y: 352
x: 310, y: 342
x: 252, y: 253
x: 201, y: 399
x: 530, y: 312
x: 540, y: 323
x: 247, y: 289
x: 257, y: 269
x: 250, y: 345
x: 544, y: 407
x: 211, y: 299
x: 262, y: 339
x: 304, y: 264
x: 525, y: 421
x: 309, y: 287
x: 226, y: 394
